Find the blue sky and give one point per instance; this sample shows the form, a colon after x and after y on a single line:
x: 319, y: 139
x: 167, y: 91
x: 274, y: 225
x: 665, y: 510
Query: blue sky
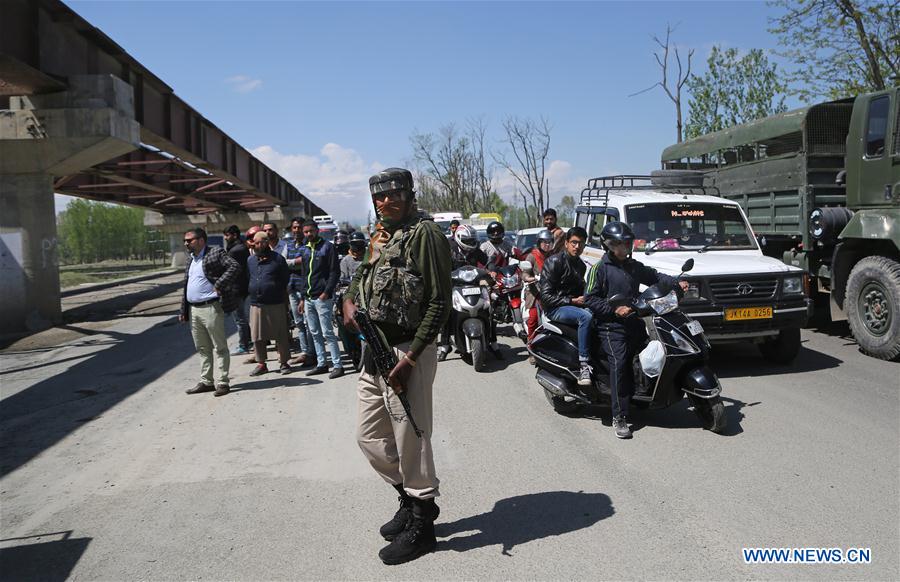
x: 327, y: 93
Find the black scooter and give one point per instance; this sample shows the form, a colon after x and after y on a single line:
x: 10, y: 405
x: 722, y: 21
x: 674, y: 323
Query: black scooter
x: 682, y: 366
x: 470, y: 318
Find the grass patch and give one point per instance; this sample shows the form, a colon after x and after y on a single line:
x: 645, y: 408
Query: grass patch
x: 73, y: 275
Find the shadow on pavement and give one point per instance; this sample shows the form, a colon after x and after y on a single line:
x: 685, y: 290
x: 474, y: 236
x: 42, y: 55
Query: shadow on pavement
x: 274, y: 380
x: 518, y: 520
x: 743, y: 360
x: 681, y: 415
x: 121, y: 304
x: 41, y: 415
x: 41, y: 560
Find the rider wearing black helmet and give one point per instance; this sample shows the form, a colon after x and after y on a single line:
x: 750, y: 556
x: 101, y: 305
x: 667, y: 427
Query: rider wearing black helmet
x: 464, y: 251
x: 497, y: 249
x: 341, y: 243
x: 620, y: 336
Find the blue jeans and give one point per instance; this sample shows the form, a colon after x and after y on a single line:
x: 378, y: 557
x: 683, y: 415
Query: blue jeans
x: 571, y: 315
x: 242, y: 322
x: 300, y: 323
x: 320, y: 318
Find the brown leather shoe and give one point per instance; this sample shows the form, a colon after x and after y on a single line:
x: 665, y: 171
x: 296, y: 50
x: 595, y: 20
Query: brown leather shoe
x: 250, y: 360
x: 259, y: 370
x: 299, y: 359
x: 222, y: 390
x: 200, y: 387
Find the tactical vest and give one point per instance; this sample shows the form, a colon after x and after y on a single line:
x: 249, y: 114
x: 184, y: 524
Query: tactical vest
x: 394, y: 286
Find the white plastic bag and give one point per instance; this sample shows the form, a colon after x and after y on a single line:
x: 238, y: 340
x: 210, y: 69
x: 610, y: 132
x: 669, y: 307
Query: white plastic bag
x: 652, y: 358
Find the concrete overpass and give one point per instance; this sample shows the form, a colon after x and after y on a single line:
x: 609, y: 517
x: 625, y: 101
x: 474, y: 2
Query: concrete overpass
x: 80, y: 116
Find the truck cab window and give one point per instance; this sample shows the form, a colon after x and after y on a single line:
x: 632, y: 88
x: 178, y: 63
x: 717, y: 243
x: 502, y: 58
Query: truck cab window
x: 876, y: 126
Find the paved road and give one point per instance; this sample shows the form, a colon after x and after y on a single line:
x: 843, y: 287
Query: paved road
x: 109, y: 471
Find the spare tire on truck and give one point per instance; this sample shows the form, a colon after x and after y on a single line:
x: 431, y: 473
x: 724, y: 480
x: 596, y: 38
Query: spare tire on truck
x: 677, y: 178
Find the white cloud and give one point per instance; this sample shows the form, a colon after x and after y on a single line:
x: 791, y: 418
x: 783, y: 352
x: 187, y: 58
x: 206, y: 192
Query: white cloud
x: 337, y: 179
x: 559, y: 174
x: 243, y: 83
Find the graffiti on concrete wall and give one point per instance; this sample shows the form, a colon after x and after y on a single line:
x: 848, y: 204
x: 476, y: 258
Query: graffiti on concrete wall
x: 49, y: 253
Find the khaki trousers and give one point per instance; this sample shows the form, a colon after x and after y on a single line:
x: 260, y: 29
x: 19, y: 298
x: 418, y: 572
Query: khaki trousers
x: 208, y: 331
x: 391, y: 445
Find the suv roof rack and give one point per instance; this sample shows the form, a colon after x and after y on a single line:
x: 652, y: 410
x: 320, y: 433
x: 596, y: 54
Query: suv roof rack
x: 598, y: 189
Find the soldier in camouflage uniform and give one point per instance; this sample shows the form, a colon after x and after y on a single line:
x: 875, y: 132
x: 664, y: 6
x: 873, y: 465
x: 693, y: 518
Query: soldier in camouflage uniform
x: 404, y: 283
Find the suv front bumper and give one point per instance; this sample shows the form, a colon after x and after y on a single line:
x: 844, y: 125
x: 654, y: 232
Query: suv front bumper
x: 786, y: 314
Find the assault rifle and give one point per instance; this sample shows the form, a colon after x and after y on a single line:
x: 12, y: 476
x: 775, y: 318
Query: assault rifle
x: 384, y: 357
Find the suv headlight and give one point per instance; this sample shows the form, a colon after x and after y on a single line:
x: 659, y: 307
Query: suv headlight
x: 693, y: 291
x: 793, y: 285
x: 665, y: 304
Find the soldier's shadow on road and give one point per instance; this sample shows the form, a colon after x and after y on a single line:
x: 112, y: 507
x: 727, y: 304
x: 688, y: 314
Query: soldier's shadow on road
x: 524, y: 518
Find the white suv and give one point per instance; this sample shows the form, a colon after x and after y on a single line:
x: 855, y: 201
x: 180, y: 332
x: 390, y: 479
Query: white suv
x: 736, y: 292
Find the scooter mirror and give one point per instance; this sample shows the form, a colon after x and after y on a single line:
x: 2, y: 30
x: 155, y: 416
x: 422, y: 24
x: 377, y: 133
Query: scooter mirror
x: 687, y: 266
x: 525, y: 265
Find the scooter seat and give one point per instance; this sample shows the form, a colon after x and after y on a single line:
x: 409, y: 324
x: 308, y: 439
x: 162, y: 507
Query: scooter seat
x: 569, y: 331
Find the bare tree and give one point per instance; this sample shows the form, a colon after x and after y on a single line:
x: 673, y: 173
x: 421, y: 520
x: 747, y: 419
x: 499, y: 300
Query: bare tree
x: 529, y: 142
x: 452, y: 169
x: 681, y: 78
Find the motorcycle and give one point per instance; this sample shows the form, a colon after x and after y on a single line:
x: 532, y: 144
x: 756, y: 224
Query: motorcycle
x: 672, y: 365
x: 507, y: 298
x: 470, y: 318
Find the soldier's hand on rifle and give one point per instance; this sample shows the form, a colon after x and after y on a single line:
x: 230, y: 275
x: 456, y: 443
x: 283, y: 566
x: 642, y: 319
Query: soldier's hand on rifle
x: 400, y: 374
x: 349, y: 312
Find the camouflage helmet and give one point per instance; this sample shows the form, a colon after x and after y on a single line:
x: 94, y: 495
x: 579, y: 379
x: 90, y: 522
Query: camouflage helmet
x: 391, y: 180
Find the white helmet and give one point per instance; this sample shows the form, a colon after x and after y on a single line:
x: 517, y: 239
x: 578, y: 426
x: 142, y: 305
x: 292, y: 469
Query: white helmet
x: 466, y: 238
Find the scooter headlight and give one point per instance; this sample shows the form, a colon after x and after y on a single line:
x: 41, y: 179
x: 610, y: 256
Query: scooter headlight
x: 665, y: 304
x: 467, y: 274
x: 683, y: 343
x: 510, y: 281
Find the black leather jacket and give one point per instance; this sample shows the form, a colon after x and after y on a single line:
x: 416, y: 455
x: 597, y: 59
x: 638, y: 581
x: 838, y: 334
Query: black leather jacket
x: 561, y: 279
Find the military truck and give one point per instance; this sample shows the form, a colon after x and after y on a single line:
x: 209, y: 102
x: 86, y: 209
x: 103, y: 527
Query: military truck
x: 821, y: 188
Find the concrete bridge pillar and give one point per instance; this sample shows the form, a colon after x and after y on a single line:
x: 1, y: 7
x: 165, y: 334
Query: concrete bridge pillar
x: 43, y: 137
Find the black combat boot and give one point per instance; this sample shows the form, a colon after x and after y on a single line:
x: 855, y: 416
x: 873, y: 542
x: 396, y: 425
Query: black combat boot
x: 398, y: 523
x: 418, y: 537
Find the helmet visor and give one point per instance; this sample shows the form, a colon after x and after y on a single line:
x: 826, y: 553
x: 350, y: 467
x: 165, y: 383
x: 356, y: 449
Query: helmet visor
x: 387, y: 186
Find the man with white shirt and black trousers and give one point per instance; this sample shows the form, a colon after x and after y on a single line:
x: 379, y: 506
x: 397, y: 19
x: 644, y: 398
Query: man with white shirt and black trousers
x: 210, y: 291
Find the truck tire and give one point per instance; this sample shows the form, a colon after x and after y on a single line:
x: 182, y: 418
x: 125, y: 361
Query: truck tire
x: 783, y: 348
x: 873, y: 306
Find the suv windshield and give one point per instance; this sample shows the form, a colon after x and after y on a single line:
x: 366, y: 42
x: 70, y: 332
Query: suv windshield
x: 685, y: 226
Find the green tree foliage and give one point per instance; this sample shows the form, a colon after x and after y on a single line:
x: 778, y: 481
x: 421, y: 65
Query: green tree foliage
x: 93, y: 231
x: 735, y: 89
x: 839, y: 47
x: 565, y: 211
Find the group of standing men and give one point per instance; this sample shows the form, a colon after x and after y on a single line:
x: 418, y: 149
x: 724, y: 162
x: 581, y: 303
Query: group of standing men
x: 257, y: 280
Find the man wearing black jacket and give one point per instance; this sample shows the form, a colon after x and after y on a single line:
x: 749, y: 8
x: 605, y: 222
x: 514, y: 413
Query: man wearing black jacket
x: 319, y: 274
x: 620, y: 335
x: 238, y: 251
x: 562, y: 295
